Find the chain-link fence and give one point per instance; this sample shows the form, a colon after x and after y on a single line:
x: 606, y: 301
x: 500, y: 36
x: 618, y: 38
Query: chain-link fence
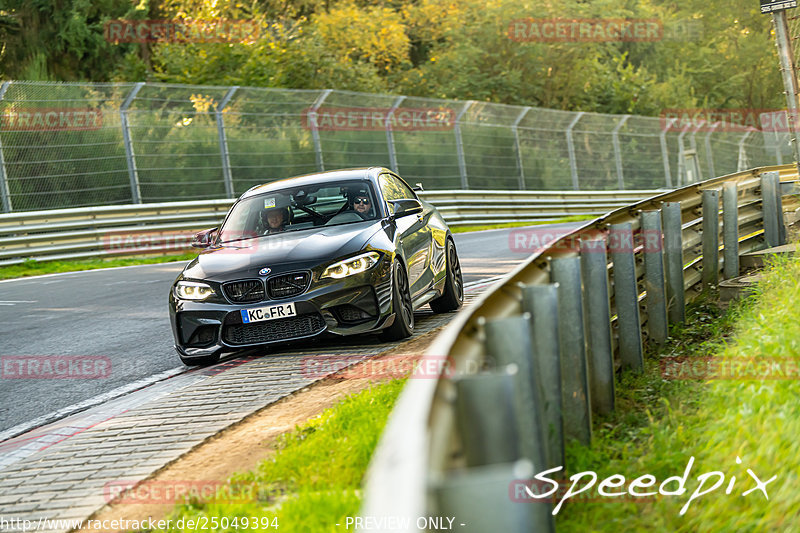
x: 71, y: 145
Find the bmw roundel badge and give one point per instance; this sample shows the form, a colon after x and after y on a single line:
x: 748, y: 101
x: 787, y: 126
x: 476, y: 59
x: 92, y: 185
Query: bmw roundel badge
x: 264, y: 271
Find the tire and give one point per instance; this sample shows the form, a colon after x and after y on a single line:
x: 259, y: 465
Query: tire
x: 207, y: 360
x: 453, y: 295
x: 403, y: 325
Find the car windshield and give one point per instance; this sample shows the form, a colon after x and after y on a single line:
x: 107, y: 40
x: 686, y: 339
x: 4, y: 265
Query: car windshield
x: 297, y: 208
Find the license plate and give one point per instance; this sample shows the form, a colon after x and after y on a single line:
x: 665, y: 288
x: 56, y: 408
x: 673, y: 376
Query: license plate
x: 271, y: 312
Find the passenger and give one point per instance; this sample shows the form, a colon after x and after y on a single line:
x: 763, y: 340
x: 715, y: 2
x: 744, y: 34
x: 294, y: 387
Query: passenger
x: 276, y: 220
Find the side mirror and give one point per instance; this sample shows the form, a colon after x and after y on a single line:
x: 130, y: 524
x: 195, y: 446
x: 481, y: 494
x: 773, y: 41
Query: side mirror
x: 405, y: 207
x: 417, y: 187
x: 203, y: 238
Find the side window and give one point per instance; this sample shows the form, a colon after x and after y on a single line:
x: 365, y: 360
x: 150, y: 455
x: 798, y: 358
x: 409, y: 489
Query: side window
x: 394, y: 188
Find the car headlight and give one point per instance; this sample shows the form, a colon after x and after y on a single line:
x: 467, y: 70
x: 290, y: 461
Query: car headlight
x: 193, y: 290
x: 354, y: 265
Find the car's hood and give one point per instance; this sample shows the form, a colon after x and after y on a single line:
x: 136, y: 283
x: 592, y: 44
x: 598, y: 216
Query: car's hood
x: 281, y: 252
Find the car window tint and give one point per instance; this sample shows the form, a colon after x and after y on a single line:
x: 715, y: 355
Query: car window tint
x: 394, y: 189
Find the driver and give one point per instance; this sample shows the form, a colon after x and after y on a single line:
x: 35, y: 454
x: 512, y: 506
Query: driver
x: 363, y: 206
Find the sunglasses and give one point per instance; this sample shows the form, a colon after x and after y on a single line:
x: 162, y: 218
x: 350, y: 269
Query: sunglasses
x: 361, y: 201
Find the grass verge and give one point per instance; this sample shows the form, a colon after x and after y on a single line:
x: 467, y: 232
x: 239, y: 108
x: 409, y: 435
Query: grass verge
x: 484, y: 227
x: 313, y: 480
x: 659, y: 424
x: 32, y: 267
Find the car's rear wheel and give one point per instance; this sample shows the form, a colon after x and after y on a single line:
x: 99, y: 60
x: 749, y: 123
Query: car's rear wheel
x: 453, y: 295
x: 403, y: 325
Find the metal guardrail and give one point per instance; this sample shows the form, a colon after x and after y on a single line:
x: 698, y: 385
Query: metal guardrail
x: 168, y: 227
x: 531, y: 360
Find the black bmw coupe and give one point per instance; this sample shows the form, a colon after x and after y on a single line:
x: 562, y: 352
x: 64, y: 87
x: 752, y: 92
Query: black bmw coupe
x: 345, y: 252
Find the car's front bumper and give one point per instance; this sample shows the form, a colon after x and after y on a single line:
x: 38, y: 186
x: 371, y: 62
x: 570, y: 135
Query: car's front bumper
x: 357, y: 304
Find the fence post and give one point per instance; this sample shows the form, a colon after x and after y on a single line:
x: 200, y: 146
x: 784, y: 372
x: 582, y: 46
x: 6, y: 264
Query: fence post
x: 573, y: 163
x: 742, y: 162
x: 462, y: 162
x: 594, y: 269
x: 575, y: 396
x: 508, y: 342
x: 223, y: 142
x: 133, y: 173
x: 681, y: 157
x: 662, y: 138
x: 626, y: 295
x: 709, y: 153
x: 312, y: 118
x: 390, y: 134
x: 770, y: 191
x: 5, y: 193
x: 673, y: 259
x: 730, y: 229
x: 710, y: 237
x: 618, y: 151
x: 541, y: 301
x: 654, y: 285
x: 518, y: 147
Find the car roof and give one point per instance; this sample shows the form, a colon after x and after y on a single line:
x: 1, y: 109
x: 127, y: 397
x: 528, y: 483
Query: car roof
x: 366, y: 173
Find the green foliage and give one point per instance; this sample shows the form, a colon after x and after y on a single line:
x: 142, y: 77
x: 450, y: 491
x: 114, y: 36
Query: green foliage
x: 714, y: 53
x: 661, y: 423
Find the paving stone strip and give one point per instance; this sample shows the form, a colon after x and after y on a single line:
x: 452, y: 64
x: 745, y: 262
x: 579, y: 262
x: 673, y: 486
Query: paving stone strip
x: 67, y: 471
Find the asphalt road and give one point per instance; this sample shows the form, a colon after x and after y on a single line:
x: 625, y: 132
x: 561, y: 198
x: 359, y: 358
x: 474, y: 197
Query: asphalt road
x: 120, y: 316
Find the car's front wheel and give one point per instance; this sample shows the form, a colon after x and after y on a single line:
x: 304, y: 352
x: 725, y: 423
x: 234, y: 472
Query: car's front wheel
x: 403, y: 325
x: 453, y: 295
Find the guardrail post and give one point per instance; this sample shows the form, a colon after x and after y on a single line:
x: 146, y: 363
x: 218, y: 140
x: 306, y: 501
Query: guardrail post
x: 390, y: 134
x: 462, y: 162
x: 770, y: 190
x: 508, y: 342
x: 5, y: 193
x: 575, y: 395
x: 673, y: 259
x: 518, y: 147
x: 312, y: 119
x: 594, y: 267
x: 662, y: 138
x: 573, y: 162
x: 541, y: 301
x: 485, y: 413
x: 626, y: 295
x: 654, y: 285
x: 618, y: 151
x: 493, y: 498
x: 730, y: 230
x: 710, y: 237
x: 223, y: 142
x: 133, y: 173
